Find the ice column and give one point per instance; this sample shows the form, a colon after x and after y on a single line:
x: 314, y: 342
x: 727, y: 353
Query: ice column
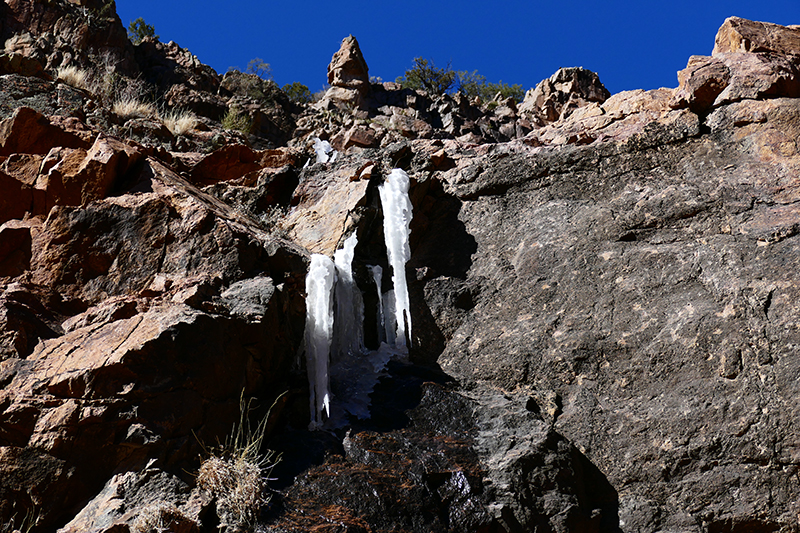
x: 319, y: 333
x: 348, y: 337
x: 396, y: 219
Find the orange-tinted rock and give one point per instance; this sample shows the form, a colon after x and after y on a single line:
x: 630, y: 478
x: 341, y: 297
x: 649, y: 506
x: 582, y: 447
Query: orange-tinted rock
x: 727, y: 77
x: 82, y: 176
x: 225, y: 164
x: 742, y: 35
x: 347, y: 68
x: 30, y: 132
x: 703, y: 79
x: 14, y: 63
x: 323, y: 214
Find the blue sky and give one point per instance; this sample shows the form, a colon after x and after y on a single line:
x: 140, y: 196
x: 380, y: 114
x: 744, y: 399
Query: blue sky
x: 631, y: 45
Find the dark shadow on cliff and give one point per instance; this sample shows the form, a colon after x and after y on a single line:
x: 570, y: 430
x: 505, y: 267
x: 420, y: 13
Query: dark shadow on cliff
x: 442, y: 251
x: 597, y: 493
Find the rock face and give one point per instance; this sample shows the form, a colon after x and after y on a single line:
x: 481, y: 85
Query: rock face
x: 602, y: 288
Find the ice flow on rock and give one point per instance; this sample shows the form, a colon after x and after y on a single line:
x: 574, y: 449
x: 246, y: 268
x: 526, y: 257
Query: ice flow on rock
x: 396, y: 219
x: 319, y: 334
x: 336, y: 358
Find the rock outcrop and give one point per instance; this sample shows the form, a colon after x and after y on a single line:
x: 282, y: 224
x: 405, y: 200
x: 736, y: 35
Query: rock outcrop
x: 602, y: 288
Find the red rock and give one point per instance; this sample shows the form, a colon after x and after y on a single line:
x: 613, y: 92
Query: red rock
x: 82, y: 176
x: 322, y: 215
x: 703, y: 79
x: 14, y: 63
x: 23, y: 321
x: 29, y: 132
x: 225, y: 164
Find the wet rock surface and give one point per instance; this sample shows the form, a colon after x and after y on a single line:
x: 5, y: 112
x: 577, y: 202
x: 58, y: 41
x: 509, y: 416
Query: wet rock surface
x: 602, y: 289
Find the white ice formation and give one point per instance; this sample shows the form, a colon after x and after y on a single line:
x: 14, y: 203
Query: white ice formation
x: 324, y: 150
x: 340, y: 368
x: 319, y: 334
x: 396, y: 219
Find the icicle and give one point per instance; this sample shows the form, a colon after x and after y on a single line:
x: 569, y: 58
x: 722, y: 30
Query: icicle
x: 319, y: 333
x: 324, y: 150
x: 377, y: 277
x: 348, y: 337
x: 396, y: 220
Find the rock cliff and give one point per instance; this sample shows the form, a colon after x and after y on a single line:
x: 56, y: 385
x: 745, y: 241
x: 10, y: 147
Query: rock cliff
x: 603, y: 292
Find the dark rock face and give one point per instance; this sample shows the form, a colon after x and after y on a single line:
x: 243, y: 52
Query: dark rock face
x: 651, y: 290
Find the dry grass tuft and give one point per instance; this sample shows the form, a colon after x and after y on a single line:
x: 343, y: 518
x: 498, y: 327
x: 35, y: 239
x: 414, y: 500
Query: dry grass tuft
x: 236, y: 475
x: 133, y: 108
x: 179, y: 122
x: 160, y: 518
x: 74, y: 76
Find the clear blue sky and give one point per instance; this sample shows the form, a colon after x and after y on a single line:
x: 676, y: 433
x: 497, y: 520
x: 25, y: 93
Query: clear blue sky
x: 631, y: 45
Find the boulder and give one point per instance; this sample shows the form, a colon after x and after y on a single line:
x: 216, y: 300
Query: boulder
x: 559, y: 95
x: 29, y: 132
x: 81, y: 176
x: 326, y: 202
x: 726, y: 77
x: 741, y: 35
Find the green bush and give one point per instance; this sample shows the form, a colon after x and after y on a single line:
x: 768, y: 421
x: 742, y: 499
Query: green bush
x: 425, y: 76
x: 138, y: 29
x: 261, y: 69
x: 297, y: 92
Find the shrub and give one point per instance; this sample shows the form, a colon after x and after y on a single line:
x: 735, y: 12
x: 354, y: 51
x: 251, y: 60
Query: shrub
x: 133, y: 108
x: 235, y: 119
x: 138, y: 29
x: 236, y: 473
x: 425, y: 76
x: 179, y: 122
x: 261, y: 69
x: 74, y: 77
x: 297, y: 92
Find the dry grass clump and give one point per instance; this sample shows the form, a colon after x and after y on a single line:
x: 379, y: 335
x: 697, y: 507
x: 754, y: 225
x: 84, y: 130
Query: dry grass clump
x: 179, y: 122
x: 236, y: 475
x: 133, y: 108
x: 161, y: 518
x: 74, y: 77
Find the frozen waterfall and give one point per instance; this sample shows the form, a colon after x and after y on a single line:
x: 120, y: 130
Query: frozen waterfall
x: 341, y: 372
x: 319, y: 334
x: 396, y: 219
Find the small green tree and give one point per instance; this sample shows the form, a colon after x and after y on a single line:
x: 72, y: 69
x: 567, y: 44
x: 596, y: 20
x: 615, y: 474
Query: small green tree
x: 297, y: 92
x: 138, y: 29
x: 425, y: 76
x: 260, y: 68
